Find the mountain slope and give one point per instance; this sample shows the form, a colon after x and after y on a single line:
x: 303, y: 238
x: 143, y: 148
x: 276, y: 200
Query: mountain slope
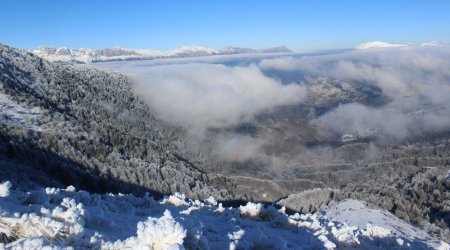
x: 63, y: 124
x: 89, y: 127
x: 93, y: 123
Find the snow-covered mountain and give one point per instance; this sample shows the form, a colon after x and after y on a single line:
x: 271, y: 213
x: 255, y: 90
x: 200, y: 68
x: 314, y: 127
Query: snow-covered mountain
x: 237, y: 50
x: 84, y: 55
x: 63, y: 124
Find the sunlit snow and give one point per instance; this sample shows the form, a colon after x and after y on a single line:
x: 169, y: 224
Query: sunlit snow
x: 66, y: 218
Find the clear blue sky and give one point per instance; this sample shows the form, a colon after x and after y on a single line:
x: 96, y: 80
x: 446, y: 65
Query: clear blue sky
x: 168, y: 24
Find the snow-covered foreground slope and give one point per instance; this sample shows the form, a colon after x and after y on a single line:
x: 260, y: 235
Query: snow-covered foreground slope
x: 66, y: 218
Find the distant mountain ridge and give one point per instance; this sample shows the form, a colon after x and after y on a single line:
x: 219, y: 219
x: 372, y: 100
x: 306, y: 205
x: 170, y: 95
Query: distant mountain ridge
x: 85, y: 55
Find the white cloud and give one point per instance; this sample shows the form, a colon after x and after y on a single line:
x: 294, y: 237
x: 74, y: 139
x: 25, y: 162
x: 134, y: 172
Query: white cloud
x: 415, y: 79
x: 237, y: 147
x: 378, y: 44
x: 213, y: 95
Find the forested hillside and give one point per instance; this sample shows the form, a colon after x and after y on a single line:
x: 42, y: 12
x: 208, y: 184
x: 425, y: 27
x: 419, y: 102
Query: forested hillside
x: 91, y: 131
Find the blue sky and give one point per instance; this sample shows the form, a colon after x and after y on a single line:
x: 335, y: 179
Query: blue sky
x: 303, y: 25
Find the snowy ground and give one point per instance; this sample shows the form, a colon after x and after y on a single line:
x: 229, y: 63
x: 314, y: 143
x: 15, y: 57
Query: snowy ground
x: 60, y: 219
x: 13, y: 113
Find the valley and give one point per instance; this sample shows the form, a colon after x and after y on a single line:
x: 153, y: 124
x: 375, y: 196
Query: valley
x: 89, y: 126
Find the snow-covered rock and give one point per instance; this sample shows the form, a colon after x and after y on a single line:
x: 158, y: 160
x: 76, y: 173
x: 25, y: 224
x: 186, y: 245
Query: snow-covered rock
x: 308, y: 200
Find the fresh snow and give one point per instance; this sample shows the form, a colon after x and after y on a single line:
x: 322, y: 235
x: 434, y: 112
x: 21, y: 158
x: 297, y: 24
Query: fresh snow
x: 377, y: 222
x: 15, y: 114
x: 54, y: 218
x: 4, y: 189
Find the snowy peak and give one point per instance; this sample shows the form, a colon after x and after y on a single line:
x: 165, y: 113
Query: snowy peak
x: 236, y: 50
x: 115, y: 51
x: 81, y: 55
x: 84, y: 55
x: 378, y: 44
x: 228, y: 50
x: 191, y: 51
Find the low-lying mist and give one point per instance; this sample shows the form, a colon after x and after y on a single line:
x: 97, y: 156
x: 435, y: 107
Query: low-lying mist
x: 265, y: 110
x: 201, y: 96
x: 415, y: 80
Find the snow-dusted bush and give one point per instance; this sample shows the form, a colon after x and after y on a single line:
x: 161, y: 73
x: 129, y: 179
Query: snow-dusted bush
x: 4, y: 189
x: 160, y: 233
x: 211, y: 201
x: 72, y: 213
x: 32, y: 225
x: 269, y: 213
x: 251, y: 210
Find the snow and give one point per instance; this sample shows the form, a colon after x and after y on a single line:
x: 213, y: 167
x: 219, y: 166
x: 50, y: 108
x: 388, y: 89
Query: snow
x: 344, y: 213
x: 251, y: 210
x: 192, y: 51
x: 13, y: 113
x: 161, y: 233
x: 4, y: 189
x: 376, y: 223
x: 84, y: 55
x: 54, y: 218
x: 155, y: 233
x: 378, y: 44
